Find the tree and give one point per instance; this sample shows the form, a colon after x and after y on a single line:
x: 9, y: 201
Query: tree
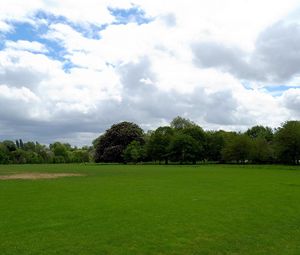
x: 158, y: 144
x: 10, y: 145
x: 261, y: 144
x: 198, y: 134
x: 79, y: 156
x: 109, y: 147
x: 287, y: 142
x: 184, y: 148
x: 260, y: 132
x: 44, y: 153
x: 261, y: 151
x: 29, y: 146
x: 134, y: 152
x: 21, y: 143
x: 181, y: 123
x: 4, y: 156
x: 60, y: 152
x: 19, y: 156
x: 237, y: 148
x: 18, y: 144
x: 215, y: 141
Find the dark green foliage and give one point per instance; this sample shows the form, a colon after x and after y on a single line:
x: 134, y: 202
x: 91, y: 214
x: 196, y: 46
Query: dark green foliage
x: 159, y: 142
x: 113, y: 153
x: 134, y: 152
x: 261, y: 151
x: 35, y: 153
x: 188, y: 141
x: 109, y: 147
x: 4, y: 154
x: 60, y: 152
x: 184, y: 148
x: 260, y: 132
x: 21, y: 144
x: 237, y: 148
x: 80, y: 156
x: 183, y: 141
x: 9, y: 145
x: 181, y: 123
x: 199, y: 136
x: 287, y: 139
x: 18, y: 144
x: 215, y: 141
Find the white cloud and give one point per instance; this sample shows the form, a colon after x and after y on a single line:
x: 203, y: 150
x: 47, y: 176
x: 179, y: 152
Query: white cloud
x: 26, y: 45
x: 291, y: 100
x: 141, y: 72
x: 18, y: 94
x: 25, y: 69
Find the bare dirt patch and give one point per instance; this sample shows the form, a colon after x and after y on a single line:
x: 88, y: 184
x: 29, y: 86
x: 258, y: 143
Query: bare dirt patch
x: 36, y: 176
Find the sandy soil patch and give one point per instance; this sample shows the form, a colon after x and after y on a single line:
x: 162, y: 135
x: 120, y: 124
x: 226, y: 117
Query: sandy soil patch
x: 36, y: 176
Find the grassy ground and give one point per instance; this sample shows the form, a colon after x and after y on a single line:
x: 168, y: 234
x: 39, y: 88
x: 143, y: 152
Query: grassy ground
x: 117, y: 209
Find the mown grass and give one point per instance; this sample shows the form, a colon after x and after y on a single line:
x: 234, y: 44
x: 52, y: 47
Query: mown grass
x: 127, y: 209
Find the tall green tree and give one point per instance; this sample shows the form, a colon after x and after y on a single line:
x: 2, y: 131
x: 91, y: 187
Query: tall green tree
x: 158, y: 144
x: 215, y: 141
x: 60, y: 152
x: 287, y: 141
x: 4, y: 154
x: 199, y: 136
x: 134, y: 152
x: 110, y: 146
x: 260, y: 132
x: 261, y: 151
x: 184, y: 148
x: 181, y: 123
x: 237, y: 148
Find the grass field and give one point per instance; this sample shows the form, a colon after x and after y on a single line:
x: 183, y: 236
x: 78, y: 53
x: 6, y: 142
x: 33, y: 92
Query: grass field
x: 118, y: 209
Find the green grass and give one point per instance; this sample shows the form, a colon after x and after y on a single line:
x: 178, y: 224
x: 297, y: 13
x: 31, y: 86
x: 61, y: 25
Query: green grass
x: 118, y: 209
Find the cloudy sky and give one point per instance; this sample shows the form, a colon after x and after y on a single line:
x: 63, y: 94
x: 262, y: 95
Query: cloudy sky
x: 70, y: 69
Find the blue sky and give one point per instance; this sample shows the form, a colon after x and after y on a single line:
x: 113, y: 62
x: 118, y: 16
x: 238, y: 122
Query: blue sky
x: 35, y: 31
x: 70, y: 70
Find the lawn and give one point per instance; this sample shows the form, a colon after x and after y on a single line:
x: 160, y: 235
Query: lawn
x: 127, y: 209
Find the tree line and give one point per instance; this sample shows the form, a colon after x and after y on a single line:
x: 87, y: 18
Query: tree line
x: 18, y: 152
x: 182, y: 142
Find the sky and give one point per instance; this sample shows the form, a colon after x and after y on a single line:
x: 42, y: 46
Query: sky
x: 71, y: 69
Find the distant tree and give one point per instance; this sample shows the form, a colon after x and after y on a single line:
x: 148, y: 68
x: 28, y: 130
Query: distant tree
x: 60, y: 152
x: 181, y: 123
x: 4, y: 156
x: 44, y: 153
x: 21, y: 143
x: 260, y: 132
x: 198, y: 134
x: 109, y: 147
x: 287, y: 141
x: 158, y: 144
x: 184, y: 148
x: 29, y: 146
x: 18, y: 144
x: 261, y: 151
x: 19, y: 156
x: 34, y: 153
x: 59, y: 159
x: 215, y: 141
x: 80, y: 156
x: 237, y: 148
x: 9, y: 145
x: 134, y: 152
x: 33, y: 158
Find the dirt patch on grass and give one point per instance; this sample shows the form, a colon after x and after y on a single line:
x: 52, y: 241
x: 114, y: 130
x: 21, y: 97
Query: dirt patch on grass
x: 36, y: 176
